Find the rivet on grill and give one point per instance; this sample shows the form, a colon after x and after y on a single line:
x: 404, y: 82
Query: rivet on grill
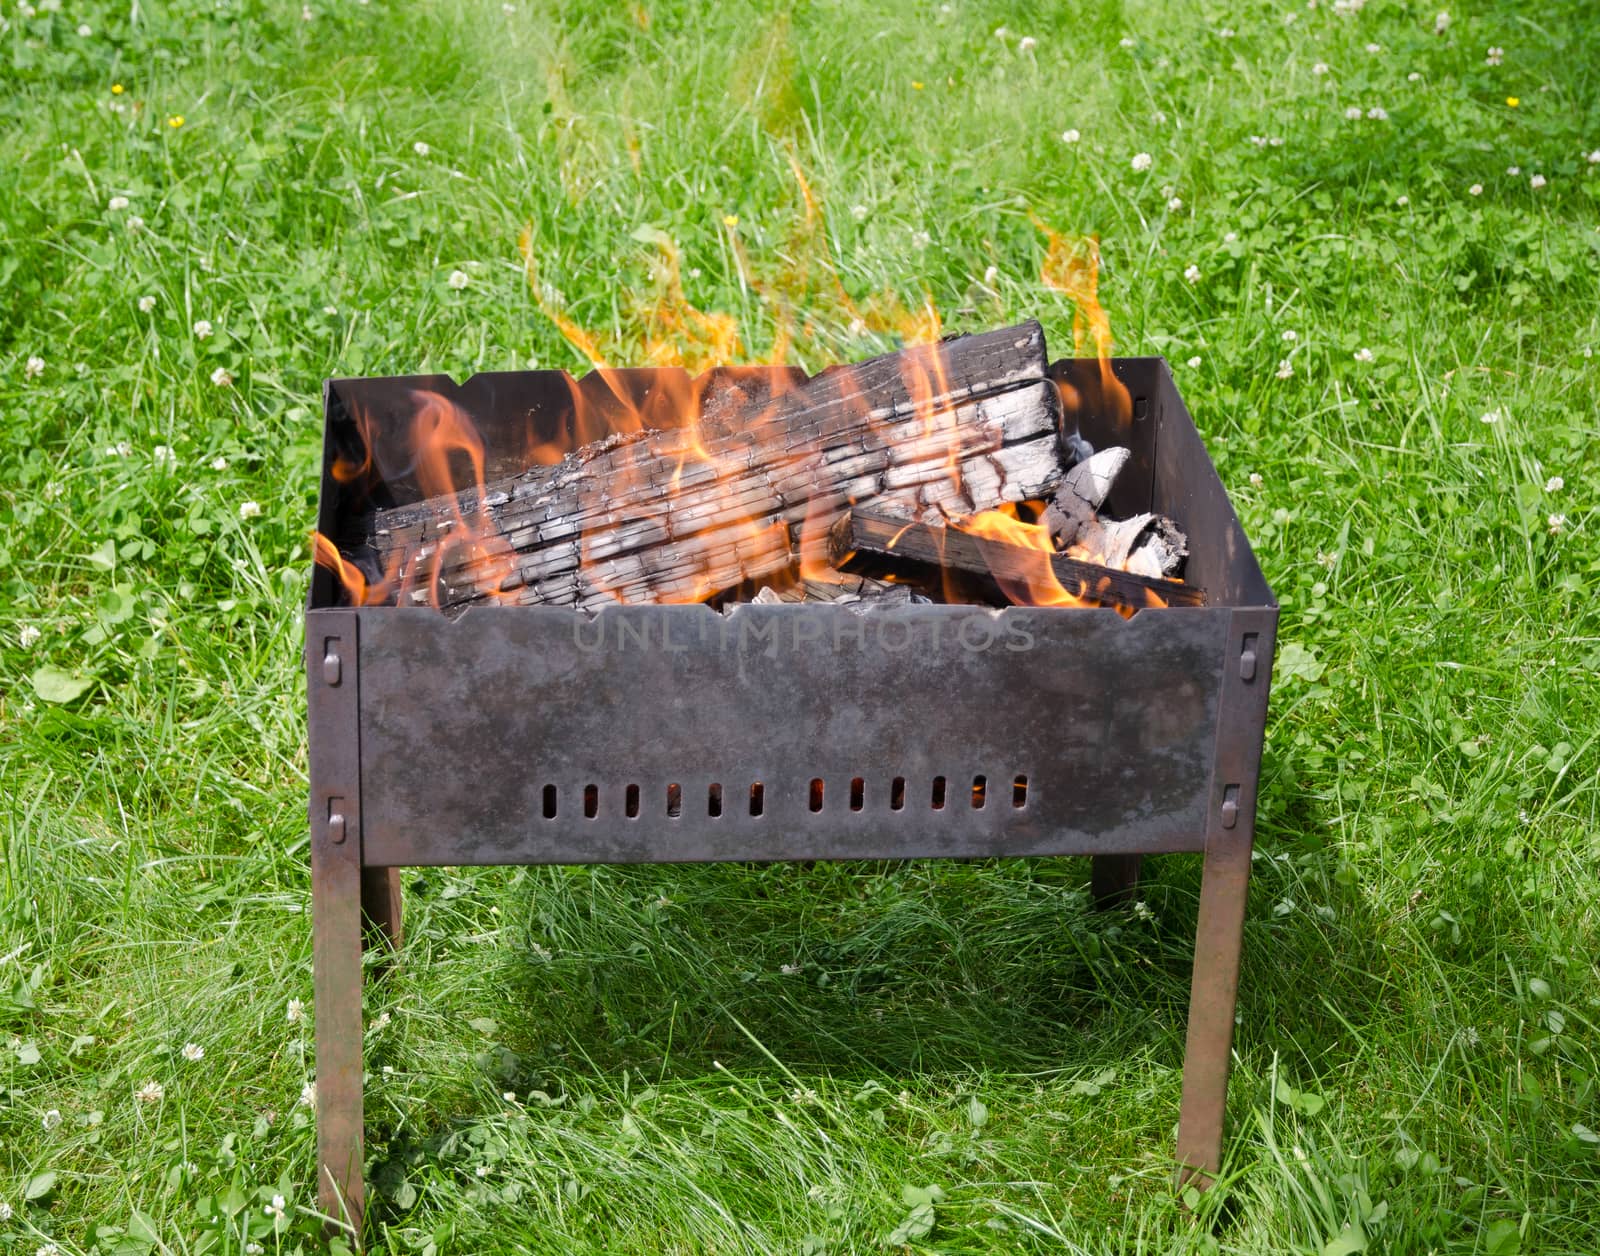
x: 816, y: 793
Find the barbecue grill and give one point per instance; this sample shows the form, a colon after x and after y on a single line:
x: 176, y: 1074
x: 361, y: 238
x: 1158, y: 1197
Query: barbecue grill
x: 648, y: 733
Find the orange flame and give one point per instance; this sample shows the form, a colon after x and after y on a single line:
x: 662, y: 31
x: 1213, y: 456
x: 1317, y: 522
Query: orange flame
x: 1071, y: 267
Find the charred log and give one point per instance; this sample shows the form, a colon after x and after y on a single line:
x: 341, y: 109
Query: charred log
x: 872, y: 536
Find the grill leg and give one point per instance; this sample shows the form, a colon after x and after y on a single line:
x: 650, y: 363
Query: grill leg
x: 380, y: 908
x: 1219, y: 936
x: 336, y: 961
x: 1113, y: 879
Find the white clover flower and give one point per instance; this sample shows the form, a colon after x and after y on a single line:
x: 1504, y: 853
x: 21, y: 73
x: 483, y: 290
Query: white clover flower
x: 1441, y: 23
x: 253, y: 1248
x: 1289, y: 19
x: 52, y: 1118
x: 1513, y: 171
x: 122, y: 449
x: 221, y: 378
x: 1363, y: 355
x: 308, y: 1095
x: 5, y: 1211
x: 1142, y: 910
x: 1374, y: 49
x: 146, y: 304
x: 483, y: 1170
x: 150, y: 1092
x: 1353, y: 113
x: 1414, y: 77
x: 1175, y: 204
x: 459, y: 279
x: 85, y: 30
x: 788, y: 970
x: 858, y: 212
x: 1285, y: 369
x: 1378, y: 113
x: 1554, y: 484
x: 135, y: 223
x: 276, y: 1207
x: 990, y: 275
x: 1291, y: 334
x: 1491, y: 417
x: 508, y: 8
x: 1260, y: 141
x: 1536, y: 182
x: 1192, y: 273
x: 1230, y: 237
x: 1126, y: 41
x: 1001, y: 33
x: 193, y: 1052
x: 382, y: 1022
x: 1495, y: 56
x: 1194, y: 362
x: 1225, y: 33
x: 28, y: 636
x: 1141, y: 161
x: 219, y: 463
x: 421, y: 149
x: 202, y: 329
x: 47, y: 1249
x: 1475, y: 190
x: 1320, y: 68
x: 306, y: 14
x: 920, y: 239
x: 1594, y: 157
x: 163, y: 456
x: 117, y: 203
x: 1027, y: 44
x: 1402, y: 201
x: 1557, y: 523
x: 1255, y: 479
x: 249, y: 510
x: 1276, y: 141
x: 33, y: 367
x: 1071, y: 136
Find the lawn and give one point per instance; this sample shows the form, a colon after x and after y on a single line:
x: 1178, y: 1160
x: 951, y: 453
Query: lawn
x: 1366, y: 237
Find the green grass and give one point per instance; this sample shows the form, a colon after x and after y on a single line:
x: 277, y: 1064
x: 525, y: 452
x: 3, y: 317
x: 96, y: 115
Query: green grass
x: 735, y: 1059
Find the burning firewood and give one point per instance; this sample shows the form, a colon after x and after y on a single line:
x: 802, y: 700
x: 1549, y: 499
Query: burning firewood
x: 664, y: 516
x: 1148, y: 544
x: 864, y: 534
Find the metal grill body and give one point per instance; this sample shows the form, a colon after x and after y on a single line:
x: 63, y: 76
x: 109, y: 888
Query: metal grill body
x: 516, y: 735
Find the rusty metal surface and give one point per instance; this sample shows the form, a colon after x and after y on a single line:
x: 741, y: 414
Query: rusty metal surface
x: 467, y: 724
x: 335, y: 814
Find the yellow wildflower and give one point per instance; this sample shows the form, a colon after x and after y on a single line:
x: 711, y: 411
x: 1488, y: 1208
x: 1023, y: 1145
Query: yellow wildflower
x: 116, y: 89
x: 175, y: 121
x: 730, y: 220
x: 1513, y: 101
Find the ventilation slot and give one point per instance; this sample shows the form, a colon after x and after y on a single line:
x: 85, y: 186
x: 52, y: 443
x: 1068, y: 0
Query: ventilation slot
x: 674, y: 801
x: 630, y: 802
x: 858, y: 793
x: 549, y: 802
x: 714, y: 801
x: 980, y: 787
x: 897, y: 794
x: 1019, y: 791
x: 816, y: 793
x: 591, y: 801
x: 938, y: 793
x: 758, y: 798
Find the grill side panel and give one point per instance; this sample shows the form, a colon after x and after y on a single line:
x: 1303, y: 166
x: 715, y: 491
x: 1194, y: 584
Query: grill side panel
x: 473, y: 731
